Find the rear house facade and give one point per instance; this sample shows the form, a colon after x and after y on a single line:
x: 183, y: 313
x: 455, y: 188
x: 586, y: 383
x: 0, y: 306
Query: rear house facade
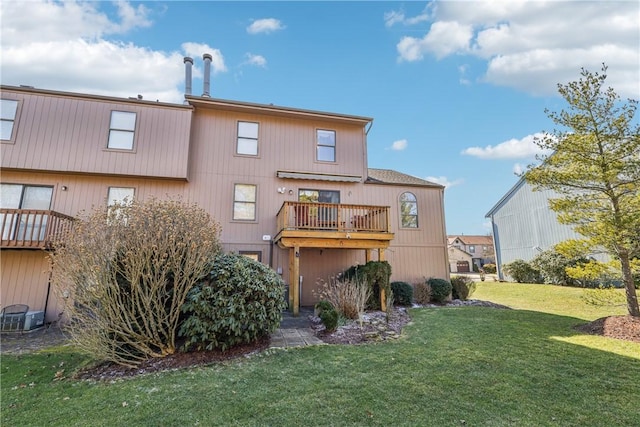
x: 291, y: 188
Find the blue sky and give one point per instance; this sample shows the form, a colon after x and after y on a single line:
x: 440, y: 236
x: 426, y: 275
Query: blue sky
x: 457, y: 89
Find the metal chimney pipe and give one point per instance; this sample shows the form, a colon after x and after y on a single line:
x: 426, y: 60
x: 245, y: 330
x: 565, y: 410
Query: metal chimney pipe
x: 188, y: 64
x: 207, y: 73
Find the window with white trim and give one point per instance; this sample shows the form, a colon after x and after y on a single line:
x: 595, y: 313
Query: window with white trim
x: 8, y: 111
x: 326, y: 145
x: 409, y: 210
x: 120, y: 196
x: 27, y: 225
x: 122, y: 130
x: 247, y: 138
x: 244, y: 202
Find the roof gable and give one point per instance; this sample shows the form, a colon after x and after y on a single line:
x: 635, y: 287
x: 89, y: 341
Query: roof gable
x: 388, y: 176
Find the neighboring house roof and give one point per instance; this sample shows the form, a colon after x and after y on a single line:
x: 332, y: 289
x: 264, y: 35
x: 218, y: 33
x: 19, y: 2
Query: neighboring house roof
x: 472, y: 240
x: 388, y: 176
x: 453, y: 249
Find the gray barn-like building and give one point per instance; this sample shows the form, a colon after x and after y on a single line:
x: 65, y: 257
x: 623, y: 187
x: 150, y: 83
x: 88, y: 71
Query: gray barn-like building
x: 523, y: 225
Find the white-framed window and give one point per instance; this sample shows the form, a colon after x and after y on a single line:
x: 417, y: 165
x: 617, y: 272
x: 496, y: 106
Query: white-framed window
x: 122, y: 130
x: 325, y: 145
x: 8, y: 112
x: 254, y: 255
x: 409, y: 210
x: 120, y: 196
x: 247, y: 138
x: 24, y: 226
x: 244, y: 202
x: 472, y: 249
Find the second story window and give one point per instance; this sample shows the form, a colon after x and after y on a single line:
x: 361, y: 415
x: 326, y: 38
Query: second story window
x: 244, y: 202
x: 326, y: 145
x: 472, y: 249
x: 409, y: 210
x: 8, y: 110
x: 247, y: 138
x: 122, y: 130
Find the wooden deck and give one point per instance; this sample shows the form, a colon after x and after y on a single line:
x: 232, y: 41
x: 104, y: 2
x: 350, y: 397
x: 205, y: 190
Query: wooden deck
x: 32, y: 228
x: 331, y: 226
x: 328, y: 225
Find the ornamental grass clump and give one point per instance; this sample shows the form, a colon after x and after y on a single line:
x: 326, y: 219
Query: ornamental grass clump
x: 348, y: 297
x: 124, y: 273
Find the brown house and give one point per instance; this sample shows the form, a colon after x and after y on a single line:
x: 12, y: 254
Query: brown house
x: 290, y: 187
x: 479, y: 250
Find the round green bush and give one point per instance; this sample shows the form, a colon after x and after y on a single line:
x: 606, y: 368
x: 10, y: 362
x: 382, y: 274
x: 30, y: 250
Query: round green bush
x: 402, y: 293
x: 328, y: 315
x: 440, y: 289
x: 239, y: 301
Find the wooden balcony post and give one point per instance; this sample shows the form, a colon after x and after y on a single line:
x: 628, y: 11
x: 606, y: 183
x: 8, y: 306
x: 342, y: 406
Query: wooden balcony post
x: 294, y: 280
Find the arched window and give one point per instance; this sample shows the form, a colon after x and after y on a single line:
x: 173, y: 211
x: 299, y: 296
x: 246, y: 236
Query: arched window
x: 409, y: 210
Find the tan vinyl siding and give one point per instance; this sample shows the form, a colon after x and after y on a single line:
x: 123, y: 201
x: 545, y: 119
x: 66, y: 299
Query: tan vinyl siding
x: 283, y: 144
x: 61, y: 141
x: 25, y: 280
x: 70, y: 134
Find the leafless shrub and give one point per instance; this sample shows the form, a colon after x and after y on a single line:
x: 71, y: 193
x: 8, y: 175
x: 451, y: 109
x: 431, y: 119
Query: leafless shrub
x: 348, y: 297
x: 124, y: 274
x: 422, y: 293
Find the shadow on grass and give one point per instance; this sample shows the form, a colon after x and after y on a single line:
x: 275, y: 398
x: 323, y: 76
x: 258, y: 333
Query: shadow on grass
x: 454, y: 366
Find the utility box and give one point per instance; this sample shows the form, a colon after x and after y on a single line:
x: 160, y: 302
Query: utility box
x: 33, y: 320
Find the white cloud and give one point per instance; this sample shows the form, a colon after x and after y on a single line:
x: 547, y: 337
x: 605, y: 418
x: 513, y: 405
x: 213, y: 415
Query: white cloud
x: 65, y: 46
x: 443, y: 180
x: 267, y: 25
x: 398, y: 17
x: 399, y: 145
x: 531, y: 45
x: 443, y: 39
x: 196, y: 50
x: 523, y: 148
x: 257, y: 60
x: 518, y: 168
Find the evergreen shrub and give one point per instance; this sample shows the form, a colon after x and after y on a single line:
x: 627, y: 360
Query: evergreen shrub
x: 440, y: 289
x: 240, y: 301
x: 402, y: 293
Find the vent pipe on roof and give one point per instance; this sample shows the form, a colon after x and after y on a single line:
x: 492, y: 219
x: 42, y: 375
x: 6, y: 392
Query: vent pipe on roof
x: 207, y: 73
x: 188, y: 64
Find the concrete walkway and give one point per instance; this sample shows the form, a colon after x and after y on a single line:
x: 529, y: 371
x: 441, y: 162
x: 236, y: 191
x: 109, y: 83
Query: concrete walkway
x: 286, y: 338
x: 295, y: 331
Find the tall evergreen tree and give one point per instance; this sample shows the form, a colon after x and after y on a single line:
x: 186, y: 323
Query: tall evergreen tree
x: 594, y: 166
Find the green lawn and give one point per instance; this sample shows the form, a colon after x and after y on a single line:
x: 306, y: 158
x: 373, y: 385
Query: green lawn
x: 469, y: 366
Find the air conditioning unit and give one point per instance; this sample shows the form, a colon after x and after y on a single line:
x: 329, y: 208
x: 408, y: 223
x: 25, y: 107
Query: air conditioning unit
x: 33, y: 320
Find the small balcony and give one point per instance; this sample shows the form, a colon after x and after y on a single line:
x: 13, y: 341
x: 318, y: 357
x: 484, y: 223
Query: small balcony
x: 32, y: 228
x: 333, y: 225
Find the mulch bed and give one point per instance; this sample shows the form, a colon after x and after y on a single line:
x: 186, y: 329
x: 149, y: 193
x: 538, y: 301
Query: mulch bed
x: 621, y: 327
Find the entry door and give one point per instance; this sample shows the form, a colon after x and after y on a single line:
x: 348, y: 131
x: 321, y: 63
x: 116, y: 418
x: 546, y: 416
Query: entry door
x: 18, y: 196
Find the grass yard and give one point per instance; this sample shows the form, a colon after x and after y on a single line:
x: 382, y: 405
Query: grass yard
x: 471, y: 366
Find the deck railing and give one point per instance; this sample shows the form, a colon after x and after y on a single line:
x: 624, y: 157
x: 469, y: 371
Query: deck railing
x: 333, y: 217
x: 32, y: 228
